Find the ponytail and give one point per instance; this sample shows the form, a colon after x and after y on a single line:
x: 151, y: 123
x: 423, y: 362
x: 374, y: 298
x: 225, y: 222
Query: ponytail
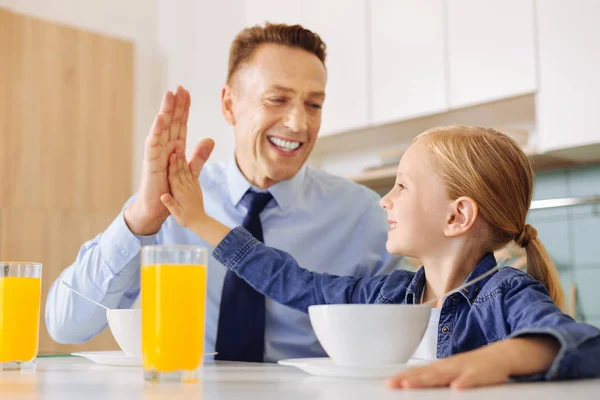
x: 540, y: 265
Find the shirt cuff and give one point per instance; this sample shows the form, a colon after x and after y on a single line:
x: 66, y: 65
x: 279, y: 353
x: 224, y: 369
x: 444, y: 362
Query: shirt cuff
x: 234, y: 247
x: 146, y: 240
x: 119, y: 246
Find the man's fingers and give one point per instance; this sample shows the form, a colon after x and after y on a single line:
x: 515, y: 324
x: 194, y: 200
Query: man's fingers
x: 185, y: 117
x: 200, y: 156
x: 179, y: 108
x: 153, y: 138
x: 173, y: 169
x: 166, y: 107
x: 183, y: 127
x: 181, y: 166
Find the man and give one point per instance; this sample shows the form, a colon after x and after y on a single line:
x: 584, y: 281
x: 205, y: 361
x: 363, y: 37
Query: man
x: 273, y: 99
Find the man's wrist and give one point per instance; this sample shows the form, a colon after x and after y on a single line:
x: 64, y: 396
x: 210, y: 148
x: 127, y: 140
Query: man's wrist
x: 138, y: 224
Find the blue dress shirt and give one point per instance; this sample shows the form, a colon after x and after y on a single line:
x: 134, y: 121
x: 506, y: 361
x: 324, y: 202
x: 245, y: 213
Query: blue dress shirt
x: 329, y: 224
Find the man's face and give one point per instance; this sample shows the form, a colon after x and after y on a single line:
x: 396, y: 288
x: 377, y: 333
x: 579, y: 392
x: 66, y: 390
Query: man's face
x: 274, y: 103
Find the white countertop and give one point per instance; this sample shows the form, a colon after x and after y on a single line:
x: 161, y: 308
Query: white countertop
x: 68, y: 378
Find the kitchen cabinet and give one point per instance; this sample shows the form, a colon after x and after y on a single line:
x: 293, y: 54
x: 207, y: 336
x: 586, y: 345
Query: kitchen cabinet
x: 491, y: 49
x: 569, y: 68
x: 407, y: 60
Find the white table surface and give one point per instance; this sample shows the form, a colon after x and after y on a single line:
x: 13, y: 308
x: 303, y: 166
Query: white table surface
x: 68, y: 378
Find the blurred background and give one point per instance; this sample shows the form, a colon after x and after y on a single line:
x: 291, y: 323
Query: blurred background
x: 81, y: 81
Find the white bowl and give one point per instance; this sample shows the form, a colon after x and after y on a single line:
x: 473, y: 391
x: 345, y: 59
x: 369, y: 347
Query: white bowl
x: 126, y: 328
x: 369, y: 334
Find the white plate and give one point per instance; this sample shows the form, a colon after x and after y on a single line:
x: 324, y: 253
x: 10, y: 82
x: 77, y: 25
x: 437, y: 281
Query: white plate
x: 327, y: 368
x: 115, y: 358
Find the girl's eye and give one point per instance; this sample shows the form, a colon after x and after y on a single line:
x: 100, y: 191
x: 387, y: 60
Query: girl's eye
x: 401, y: 186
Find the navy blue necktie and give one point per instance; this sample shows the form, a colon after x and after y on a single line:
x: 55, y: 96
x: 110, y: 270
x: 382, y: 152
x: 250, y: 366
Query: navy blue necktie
x: 241, y: 331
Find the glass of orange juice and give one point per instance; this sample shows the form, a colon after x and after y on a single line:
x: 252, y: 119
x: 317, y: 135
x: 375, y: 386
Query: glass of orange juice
x: 173, y: 306
x: 20, y: 291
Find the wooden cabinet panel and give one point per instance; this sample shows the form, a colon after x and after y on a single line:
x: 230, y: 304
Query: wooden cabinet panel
x: 67, y: 97
x: 66, y: 109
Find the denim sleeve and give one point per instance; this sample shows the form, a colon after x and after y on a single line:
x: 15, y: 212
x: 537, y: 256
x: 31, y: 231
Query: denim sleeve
x: 531, y: 311
x: 278, y: 276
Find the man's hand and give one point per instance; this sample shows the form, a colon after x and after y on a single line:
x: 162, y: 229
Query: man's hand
x: 146, y: 214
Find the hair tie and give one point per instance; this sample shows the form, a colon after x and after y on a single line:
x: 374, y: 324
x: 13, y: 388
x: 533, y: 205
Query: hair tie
x: 528, y: 234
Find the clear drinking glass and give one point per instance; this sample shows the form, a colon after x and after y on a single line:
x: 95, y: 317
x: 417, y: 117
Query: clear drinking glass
x: 20, y: 291
x: 173, y: 306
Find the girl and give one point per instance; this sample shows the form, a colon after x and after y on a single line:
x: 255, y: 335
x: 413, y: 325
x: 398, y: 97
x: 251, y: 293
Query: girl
x: 461, y: 193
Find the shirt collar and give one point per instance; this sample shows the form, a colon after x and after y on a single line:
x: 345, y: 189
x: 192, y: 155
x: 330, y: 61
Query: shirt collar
x: 417, y: 285
x: 284, y: 192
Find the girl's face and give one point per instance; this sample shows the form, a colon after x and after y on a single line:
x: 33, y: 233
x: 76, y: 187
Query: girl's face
x: 417, y: 206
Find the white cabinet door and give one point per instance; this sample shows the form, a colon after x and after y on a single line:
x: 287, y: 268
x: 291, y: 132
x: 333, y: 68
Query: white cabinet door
x: 342, y: 25
x: 568, y: 100
x: 491, y: 49
x: 408, y: 67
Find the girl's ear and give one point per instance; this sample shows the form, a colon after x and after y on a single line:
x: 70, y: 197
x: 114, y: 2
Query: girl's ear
x: 462, y: 214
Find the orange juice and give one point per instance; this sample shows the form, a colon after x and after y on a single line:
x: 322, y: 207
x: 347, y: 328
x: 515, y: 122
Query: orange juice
x: 173, y: 300
x: 19, y: 318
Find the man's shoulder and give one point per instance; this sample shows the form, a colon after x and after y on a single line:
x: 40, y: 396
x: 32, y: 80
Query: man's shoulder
x: 326, y: 184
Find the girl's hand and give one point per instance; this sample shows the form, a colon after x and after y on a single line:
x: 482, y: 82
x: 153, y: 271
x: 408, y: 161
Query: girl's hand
x: 186, y: 203
x: 490, y: 365
x: 470, y: 369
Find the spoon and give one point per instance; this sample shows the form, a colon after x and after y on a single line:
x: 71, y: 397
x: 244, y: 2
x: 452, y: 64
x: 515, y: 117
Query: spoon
x: 84, y: 296
x: 461, y: 287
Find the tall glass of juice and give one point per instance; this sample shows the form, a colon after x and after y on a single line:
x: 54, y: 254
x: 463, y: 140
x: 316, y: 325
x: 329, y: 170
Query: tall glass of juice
x: 20, y: 291
x: 173, y: 307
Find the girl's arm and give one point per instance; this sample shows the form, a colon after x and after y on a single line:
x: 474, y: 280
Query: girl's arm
x: 272, y: 272
x: 543, y: 344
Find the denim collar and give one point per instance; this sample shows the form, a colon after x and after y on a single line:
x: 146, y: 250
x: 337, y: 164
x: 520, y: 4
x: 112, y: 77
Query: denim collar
x: 417, y: 285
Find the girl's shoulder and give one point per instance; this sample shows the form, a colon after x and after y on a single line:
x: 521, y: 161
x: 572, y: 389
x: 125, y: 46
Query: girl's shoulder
x: 507, y: 280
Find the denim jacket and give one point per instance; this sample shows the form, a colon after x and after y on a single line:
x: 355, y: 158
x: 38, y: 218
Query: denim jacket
x: 506, y: 304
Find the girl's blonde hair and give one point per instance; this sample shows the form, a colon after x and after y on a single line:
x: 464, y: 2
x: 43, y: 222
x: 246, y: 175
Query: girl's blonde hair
x: 491, y: 169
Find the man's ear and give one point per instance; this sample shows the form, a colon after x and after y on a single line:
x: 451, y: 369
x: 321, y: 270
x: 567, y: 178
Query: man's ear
x: 462, y: 214
x: 227, y: 100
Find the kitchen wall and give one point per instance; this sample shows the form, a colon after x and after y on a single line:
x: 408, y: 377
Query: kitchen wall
x: 572, y: 234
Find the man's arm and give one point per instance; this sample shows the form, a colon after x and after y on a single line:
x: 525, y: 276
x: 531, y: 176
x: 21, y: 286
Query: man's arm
x: 107, y: 269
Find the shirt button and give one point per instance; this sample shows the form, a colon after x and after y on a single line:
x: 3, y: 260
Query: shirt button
x: 445, y: 329
x: 124, y: 252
